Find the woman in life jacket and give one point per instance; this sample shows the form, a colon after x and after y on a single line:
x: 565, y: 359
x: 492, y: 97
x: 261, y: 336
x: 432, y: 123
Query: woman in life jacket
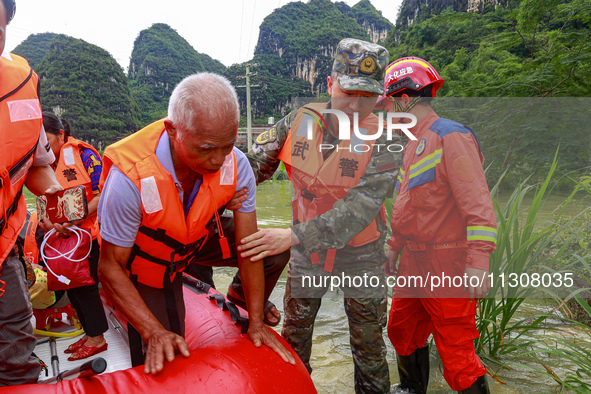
x: 78, y: 163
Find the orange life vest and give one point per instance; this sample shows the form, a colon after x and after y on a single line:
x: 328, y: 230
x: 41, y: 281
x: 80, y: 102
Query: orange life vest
x: 70, y: 172
x: 165, y: 242
x: 20, y: 125
x: 285, y: 154
x: 319, y: 183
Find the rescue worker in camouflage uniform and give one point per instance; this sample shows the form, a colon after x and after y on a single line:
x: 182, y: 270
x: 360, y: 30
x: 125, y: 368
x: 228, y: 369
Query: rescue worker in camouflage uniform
x: 328, y: 221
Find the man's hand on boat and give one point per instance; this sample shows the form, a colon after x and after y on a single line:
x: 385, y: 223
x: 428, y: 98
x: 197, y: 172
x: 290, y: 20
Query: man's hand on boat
x: 259, y: 334
x: 162, y: 344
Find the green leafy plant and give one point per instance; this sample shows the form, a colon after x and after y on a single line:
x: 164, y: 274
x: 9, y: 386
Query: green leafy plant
x: 529, y: 241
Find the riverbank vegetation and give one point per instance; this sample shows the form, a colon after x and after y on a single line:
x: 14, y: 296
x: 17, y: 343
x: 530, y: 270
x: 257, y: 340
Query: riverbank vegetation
x: 533, y: 243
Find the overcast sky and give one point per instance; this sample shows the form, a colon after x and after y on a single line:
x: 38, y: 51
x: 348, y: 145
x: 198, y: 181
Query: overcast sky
x: 226, y: 30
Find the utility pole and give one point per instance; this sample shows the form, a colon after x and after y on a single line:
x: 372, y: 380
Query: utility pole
x: 248, y: 106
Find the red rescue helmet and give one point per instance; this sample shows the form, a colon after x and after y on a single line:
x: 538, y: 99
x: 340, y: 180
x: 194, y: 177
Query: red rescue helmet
x: 411, y: 73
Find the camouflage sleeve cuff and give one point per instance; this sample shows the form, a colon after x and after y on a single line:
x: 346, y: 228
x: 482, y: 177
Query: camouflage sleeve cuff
x: 301, y: 236
x: 478, y: 260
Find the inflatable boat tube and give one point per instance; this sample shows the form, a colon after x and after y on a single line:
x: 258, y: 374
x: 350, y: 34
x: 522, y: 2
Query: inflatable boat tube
x: 222, y: 360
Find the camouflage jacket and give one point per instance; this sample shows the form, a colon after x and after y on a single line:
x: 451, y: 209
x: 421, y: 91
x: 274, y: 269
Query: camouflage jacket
x: 354, y: 212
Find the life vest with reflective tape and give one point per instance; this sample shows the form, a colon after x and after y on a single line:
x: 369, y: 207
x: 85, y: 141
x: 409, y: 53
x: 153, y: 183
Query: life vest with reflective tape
x: 319, y: 183
x: 165, y: 242
x: 70, y: 172
x: 20, y: 124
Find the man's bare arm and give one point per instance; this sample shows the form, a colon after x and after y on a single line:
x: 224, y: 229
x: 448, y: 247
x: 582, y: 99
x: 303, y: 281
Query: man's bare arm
x: 253, y: 279
x: 42, y: 180
x: 120, y: 289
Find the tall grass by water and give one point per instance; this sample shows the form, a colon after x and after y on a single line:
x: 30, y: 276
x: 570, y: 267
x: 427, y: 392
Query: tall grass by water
x: 531, y: 241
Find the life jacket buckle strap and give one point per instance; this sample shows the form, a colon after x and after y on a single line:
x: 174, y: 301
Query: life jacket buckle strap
x: 184, y: 250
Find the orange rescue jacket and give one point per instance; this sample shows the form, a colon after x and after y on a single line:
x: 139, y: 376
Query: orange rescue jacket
x: 443, y: 198
x: 165, y: 242
x: 20, y: 125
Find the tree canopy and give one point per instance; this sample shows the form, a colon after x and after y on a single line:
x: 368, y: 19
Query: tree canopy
x: 85, y: 85
x: 531, y: 49
x: 35, y: 47
x: 160, y: 59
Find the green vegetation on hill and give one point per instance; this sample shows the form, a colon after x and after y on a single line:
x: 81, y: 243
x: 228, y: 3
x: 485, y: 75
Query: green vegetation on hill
x: 84, y: 84
x: 296, y: 46
x: 535, y: 49
x: 364, y: 11
x: 300, y: 30
x: 294, y: 52
x: 161, y: 58
x: 35, y: 47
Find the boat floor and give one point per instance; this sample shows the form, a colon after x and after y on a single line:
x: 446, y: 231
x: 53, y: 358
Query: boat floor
x: 116, y: 355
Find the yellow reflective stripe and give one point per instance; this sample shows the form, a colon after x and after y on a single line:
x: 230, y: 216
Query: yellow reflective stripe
x: 426, y: 158
x: 409, y: 61
x: 482, y: 233
x: 427, y: 167
x: 482, y: 228
x: 426, y: 163
x: 482, y: 238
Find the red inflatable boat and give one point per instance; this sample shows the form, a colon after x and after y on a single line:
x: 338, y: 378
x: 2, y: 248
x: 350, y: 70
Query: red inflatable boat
x: 223, y: 360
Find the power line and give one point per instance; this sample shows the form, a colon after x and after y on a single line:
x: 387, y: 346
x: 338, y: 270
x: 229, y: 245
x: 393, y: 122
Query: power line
x: 247, y: 75
x: 241, y: 24
x: 251, y: 25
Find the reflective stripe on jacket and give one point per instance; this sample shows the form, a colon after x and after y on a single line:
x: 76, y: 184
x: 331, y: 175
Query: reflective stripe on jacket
x: 443, y: 196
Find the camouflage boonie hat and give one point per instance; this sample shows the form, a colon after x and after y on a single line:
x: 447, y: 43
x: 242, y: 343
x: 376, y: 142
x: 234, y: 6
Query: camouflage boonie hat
x: 361, y: 65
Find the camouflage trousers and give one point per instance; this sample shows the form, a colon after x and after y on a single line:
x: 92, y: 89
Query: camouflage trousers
x: 366, y: 316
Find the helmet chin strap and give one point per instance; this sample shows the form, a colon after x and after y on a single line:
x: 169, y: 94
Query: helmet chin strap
x: 399, y: 108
